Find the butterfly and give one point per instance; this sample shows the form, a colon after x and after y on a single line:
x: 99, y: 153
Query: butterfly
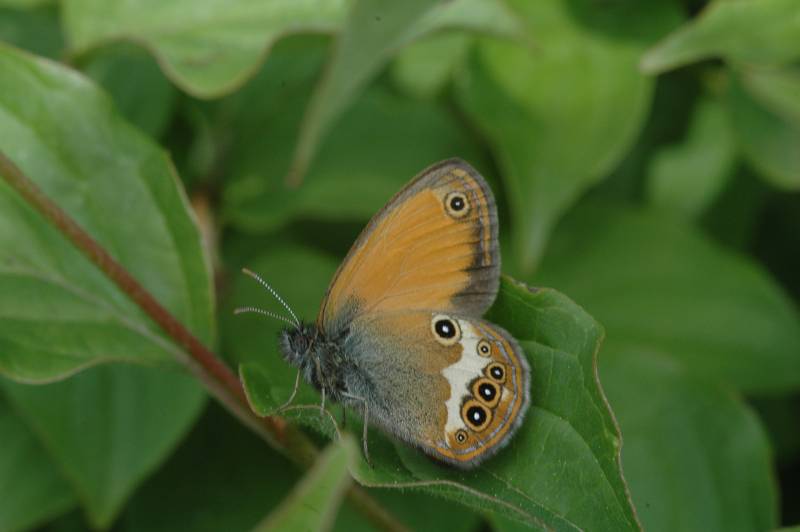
x: 399, y: 335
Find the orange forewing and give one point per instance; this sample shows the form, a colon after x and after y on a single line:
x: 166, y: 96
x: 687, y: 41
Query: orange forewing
x: 414, y: 255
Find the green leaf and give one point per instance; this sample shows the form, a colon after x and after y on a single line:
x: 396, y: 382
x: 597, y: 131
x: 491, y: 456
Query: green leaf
x: 373, y: 31
x: 562, y: 470
x: 109, y: 427
x: 687, y: 177
x: 750, y: 31
x: 24, y: 4
x: 207, y: 48
x: 659, y: 286
x: 345, y: 183
x: 770, y: 141
x: 59, y: 312
x: 779, y: 416
x: 695, y: 456
x: 35, y: 29
x: 314, y: 501
x: 559, y: 114
x: 415, y: 509
x: 221, y: 478
x: 140, y: 91
x: 424, y: 68
x: 232, y: 490
x: 568, y: 442
x: 33, y: 491
x: 776, y: 89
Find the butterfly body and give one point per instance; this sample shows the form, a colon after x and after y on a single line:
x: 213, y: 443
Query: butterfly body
x: 400, y: 333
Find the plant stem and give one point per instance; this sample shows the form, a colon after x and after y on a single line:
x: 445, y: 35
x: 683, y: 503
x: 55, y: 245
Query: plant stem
x: 212, y: 372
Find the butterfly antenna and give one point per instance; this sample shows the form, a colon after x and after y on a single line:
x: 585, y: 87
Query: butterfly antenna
x: 242, y: 310
x: 274, y: 293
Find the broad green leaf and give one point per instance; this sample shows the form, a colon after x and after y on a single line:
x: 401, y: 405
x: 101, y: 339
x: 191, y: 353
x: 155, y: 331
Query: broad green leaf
x: 221, y: 478
x: 687, y: 177
x: 416, y: 509
x: 424, y: 68
x: 59, y: 312
x: 345, y: 182
x: 109, y: 427
x: 560, y: 472
x: 314, y: 501
x: 750, y: 31
x: 373, y: 31
x: 779, y: 416
x: 36, y: 29
x: 33, y: 491
x: 770, y: 142
x: 24, y: 4
x: 776, y: 89
x: 140, y: 91
x: 560, y: 113
x: 695, y: 456
x: 240, y: 481
x: 207, y: 48
x: 659, y: 286
x: 734, y: 219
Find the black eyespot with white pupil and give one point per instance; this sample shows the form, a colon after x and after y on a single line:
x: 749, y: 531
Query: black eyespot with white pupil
x: 496, y: 372
x: 461, y: 436
x: 445, y: 328
x: 484, y: 349
x: 477, y: 415
x: 456, y: 204
x: 487, y: 391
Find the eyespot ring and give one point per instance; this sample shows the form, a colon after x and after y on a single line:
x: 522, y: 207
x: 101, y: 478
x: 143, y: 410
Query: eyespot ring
x: 486, y: 391
x: 445, y: 330
x: 496, y: 371
x: 484, y: 348
x: 461, y: 436
x: 456, y: 204
x: 476, y: 416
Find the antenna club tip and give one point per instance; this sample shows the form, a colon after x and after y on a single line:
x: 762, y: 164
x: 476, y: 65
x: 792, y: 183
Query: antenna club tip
x: 247, y: 271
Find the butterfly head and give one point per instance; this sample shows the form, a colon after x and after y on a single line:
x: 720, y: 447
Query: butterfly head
x: 297, y: 342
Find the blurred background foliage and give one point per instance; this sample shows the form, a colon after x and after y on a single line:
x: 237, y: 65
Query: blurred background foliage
x: 646, y: 161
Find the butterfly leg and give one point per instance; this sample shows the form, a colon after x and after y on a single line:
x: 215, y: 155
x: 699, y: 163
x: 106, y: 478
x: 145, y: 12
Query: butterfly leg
x: 366, y: 424
x: 291, y: 397
x: 322, y: 387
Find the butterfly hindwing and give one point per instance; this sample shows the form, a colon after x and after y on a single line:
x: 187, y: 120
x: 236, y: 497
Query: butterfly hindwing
x: 454, y: 386
x: 434, y: 245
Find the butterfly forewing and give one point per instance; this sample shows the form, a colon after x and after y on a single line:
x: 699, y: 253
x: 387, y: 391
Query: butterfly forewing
x: 434, y: 245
